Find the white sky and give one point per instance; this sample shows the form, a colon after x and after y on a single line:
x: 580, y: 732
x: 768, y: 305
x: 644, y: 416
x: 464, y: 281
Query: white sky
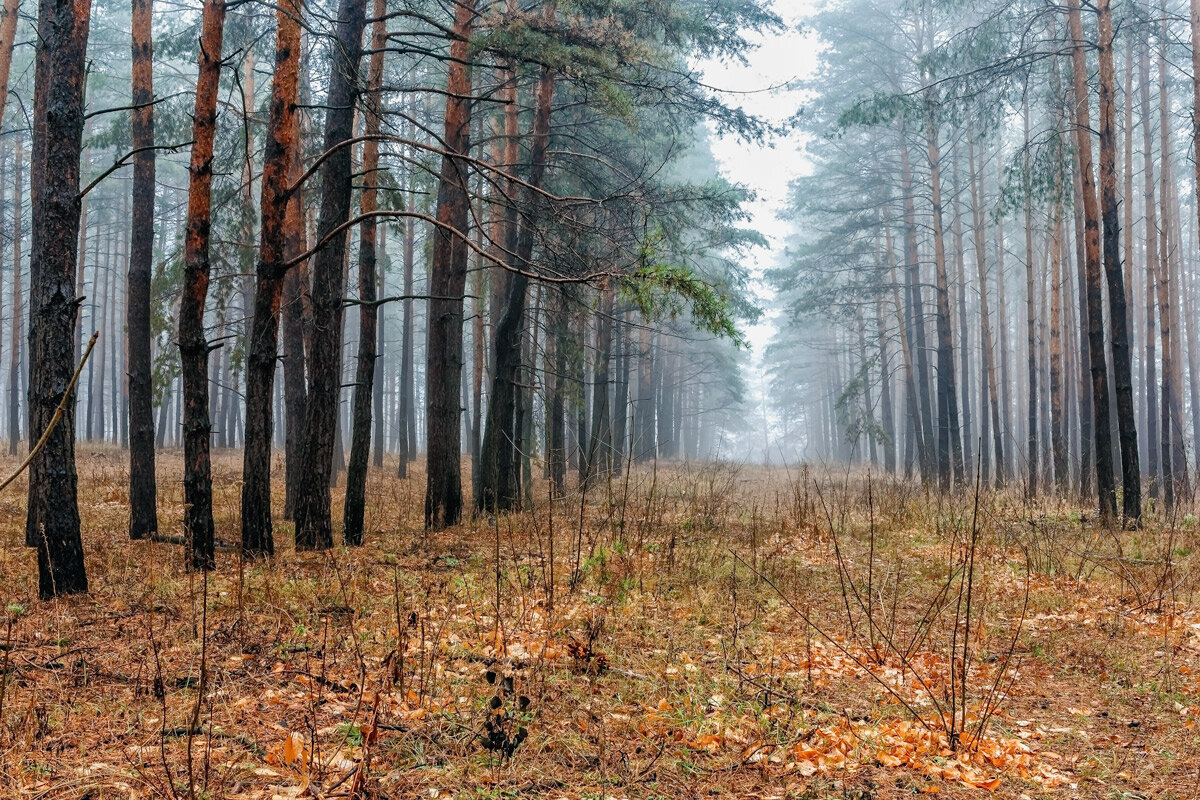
x: 780, y: 59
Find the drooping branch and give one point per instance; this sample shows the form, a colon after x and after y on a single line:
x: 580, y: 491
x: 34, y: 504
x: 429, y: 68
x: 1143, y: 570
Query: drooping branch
x: 120, y: 162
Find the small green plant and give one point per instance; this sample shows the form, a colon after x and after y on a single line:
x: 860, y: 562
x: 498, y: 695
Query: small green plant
x: 352, y: 733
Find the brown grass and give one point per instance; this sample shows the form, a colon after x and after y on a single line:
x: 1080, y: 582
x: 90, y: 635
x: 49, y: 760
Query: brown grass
x: 675, y: 662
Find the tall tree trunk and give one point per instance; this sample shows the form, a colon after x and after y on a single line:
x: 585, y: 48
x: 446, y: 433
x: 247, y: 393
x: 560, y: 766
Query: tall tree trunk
x: 143, y: 514
x: 282, y: 151
x: 556, y: 355
x: 364, y: 379
x: 478, y: 364
x: 406, y: 429
x: 53, y: 517
x: 579, y: 376
x: 950, y: 458
x: 1117, y: 311
x: 314, y: 524
x: 1174, y: 454
x: 988, y: 356
x: 8, y: 35
x: 964, y: 339
x: 295, y: 385
x: 193, y: 346
x: 14, y: 355
x: 381, y: 372
x: 447, y: 282
x: 1058, y: 444
x: 81, y: 271
x: 1105, y: 480
x: 500, y: 454
x: 916, y: 316
x: 887, y: 415
x: 1058, y: 434
x: 1195, y: 33
x: 915, y: 439
x: 864, y: 376
x: 1151, y: 283
x: 1031, y: 444
x: 599, y: 453
x: 620, y: 411
x: 1004, y: 465
x: 100, y: 323
x: 643, y: 439
x: 1127, y: 202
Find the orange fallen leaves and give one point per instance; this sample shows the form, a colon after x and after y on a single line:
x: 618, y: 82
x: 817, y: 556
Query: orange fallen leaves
x: 293, y: 748
x: 904, y: 743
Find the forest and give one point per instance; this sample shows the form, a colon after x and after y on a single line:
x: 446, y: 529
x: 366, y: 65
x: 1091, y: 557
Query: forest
x: 409, y: 398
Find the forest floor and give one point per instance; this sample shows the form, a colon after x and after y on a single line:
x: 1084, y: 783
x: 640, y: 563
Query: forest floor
x: 704, y: 631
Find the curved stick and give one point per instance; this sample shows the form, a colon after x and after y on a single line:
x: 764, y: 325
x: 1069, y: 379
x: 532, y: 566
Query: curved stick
x: 58, y: 414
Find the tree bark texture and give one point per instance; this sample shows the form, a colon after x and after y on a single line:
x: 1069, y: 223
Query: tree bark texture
x: 314, y: 524
x: 193, y: 346
x: 447, y: 282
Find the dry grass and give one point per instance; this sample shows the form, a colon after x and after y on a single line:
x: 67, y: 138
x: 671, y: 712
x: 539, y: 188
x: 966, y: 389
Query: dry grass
x: 675, y: 660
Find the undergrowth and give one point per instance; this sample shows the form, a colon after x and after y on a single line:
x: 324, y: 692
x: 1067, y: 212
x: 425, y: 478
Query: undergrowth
x: 683, y: 631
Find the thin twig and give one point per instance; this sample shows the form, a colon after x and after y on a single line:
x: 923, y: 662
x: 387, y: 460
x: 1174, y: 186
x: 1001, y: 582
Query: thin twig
x: 54, y: 420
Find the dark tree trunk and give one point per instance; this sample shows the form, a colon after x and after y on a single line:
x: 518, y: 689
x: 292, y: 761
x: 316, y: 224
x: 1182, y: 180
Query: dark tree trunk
x: 620, y: 411
x: 1082, y: 382
x: 887, y: 415
x: 1117, y: 311
x: 258, y: 537
x: 1032, y: 473
x: 295, y: 386
x: 478, y: 362
x: 406, y: 429
x: 1195, y: 130
x: 1058, y: 433
x: 364, y: 379
x: 1105, y: 480
x: 916, y: 318
x: 53, y: 517
x: 314, y: 524
x: 1174, y: 454
x: 966, y: 438
x: 579, y: 378
x: 499, y: 473
x: 447, y: 282
x: 950, y: 456
x: 556, y: 433
x: 600, y: 450
x: 913, y: 440
x: 500, y: 461
x: 666, y: 400
x: 143, y: 514
x: 193, y: 347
